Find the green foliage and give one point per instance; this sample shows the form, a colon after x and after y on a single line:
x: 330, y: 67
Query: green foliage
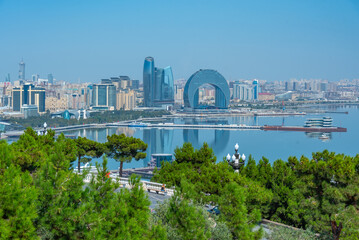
x: 234, y: 213
x: 124, y: 149
x: 41, y: 196
x: 309, y: 193
x: 62, y: 202
x: 197, y: 158
x: 6, y: 155
x: 53, y: 202
x: 221, y: 232
x: 32, y: 150
x: 285, y: 233
x: 87, y: 148
x: 200, y: 169
x: 208, y: 182
x: 17, y: 204
x: 305, y: 193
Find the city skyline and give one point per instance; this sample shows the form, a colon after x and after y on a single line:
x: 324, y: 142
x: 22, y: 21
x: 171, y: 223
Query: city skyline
x: 158, y: 84
x: 271, y: 41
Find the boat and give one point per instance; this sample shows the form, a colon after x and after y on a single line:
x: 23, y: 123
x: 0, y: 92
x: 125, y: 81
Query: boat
x: 324, y: 137
x: 319, y: 122
x: 135, y: 124
x: 311, y: 125
x: 304, y: 129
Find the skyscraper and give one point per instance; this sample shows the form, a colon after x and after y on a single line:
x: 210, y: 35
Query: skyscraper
x: 104, y: 96
x: 255, y: 89
x: 22, y: 71
x: 148, y: 81
x: 50, y: 78
x: 135, y: 85
x: 158, y: 85
x: 7, y: 79
x: 30, y: 95
x: 35, y: 78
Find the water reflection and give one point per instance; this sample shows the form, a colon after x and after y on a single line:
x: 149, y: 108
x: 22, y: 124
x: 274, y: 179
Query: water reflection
x: 320, y: 135
x: 220, y: 140
x: 271, y: 144
x: 100, y: 134
x: 158, y: 141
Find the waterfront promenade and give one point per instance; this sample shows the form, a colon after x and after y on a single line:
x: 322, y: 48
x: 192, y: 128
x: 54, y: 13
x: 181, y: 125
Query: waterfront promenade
x: 149, y: 125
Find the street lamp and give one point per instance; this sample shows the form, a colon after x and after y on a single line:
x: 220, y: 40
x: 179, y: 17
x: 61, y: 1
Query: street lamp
x: 45, y: 125
x: 237, y: 160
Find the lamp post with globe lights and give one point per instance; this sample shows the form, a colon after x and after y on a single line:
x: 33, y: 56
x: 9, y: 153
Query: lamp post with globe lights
x: 45, y: 126
x: 237, y: 160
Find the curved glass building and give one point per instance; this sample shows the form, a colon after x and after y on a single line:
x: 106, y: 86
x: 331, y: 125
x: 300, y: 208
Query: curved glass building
x: 158, y: 85
x: 148, y: 80
x: 206, y: 76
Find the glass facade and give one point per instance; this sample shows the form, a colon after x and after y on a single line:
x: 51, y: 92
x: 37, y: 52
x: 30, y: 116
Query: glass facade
x: 50, y: 78
x: 255, y: 89
x: 158, y: 85
x: 206, y: 76
x: 22, y: 71
x: 148, y: 80
x: 168, y: 85
x: 159, y: 158
x: 30, y: 95
x: 103, y: 95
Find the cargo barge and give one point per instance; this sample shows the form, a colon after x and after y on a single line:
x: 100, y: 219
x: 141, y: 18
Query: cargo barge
x: 304, y: 129
x: 311, y: 125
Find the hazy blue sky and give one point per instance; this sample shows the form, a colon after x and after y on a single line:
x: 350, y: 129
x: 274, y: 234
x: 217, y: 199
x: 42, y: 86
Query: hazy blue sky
x: 90, y: 40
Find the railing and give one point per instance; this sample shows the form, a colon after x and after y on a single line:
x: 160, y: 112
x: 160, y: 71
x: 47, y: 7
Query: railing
x: 146, y: 186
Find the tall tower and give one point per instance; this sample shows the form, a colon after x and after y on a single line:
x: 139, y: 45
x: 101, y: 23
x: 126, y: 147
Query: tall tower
x: 50, y: 78
x: 256, y: 89
x: 22, y: 70
x: 148, y: 81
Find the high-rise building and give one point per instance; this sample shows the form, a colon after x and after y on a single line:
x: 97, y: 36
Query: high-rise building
x: 22, y: 71
x: 50, y: 78
x: 243, y: 92
x: 30, y: 95
x: 126, y: 100
x: 104, y: 96
x: 35, y: 78
x: 7, y: 78
x: 89, y: 91
x: 106, y: 81
x: 148, y: 81
x: 54, y: 104
x: 255, y: 89
x: 135, y: 84
x: 158, y: 85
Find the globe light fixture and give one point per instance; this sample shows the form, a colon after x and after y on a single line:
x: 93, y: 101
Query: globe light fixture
x: 237, y: 160
x: 45, y: 126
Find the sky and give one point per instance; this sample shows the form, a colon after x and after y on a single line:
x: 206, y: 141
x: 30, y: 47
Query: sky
x: 84, y: 41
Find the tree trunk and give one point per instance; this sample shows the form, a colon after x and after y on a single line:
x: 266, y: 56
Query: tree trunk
x: 79, y: 164
x: 120, y: 172
x: 336, y: 230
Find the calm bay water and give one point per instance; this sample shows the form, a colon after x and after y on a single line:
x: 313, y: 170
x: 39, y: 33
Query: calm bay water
x: 271, y: 144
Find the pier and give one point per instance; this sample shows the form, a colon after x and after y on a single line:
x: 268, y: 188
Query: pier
x: 188, y: 126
